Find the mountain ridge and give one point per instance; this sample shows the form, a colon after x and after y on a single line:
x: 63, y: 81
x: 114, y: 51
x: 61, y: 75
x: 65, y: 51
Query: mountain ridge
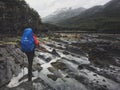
x: 105, y: 18
x: 62, y: 14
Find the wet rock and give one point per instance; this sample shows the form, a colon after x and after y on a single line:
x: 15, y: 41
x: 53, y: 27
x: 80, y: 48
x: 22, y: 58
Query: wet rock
x: 24, y: 77
x: 104, y: 80
x: 24, y: 86
x: 94, y: 74
x: 3, y: 46
x: 53, y: 77
x: 97, y: 81
x: 102, y: 87
x: 80, y: 67
x: 70, y: 74
x: 114, y: 47
x: 48, y: 59
x: 66, y: 53
x: 40, y: 84
x: 55, y: 72
x: 7, y: 69
x: 59, y: 65
x: 37, y: 67
x: 3, y: 71
x: 16, y: 53
x: 100, y: 57
x: 54, y: 52
x: 90, y: 84
x: 41, y: 56
x: 60, y: 44
x: 75, y: 50
x: 1, y: 55
x: 80, y: 78
x: 51, y: 69
x: 105, y: 86
x: 37, y: 84
x: 67, y: 76
x: 10, y: 61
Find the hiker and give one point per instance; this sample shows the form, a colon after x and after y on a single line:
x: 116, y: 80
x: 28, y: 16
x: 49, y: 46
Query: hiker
x: 28, y: 44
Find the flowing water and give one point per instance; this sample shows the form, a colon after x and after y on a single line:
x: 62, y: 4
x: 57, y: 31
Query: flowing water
x: 67, y: 66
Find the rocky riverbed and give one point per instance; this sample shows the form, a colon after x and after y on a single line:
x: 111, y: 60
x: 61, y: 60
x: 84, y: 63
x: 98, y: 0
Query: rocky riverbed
x: 80, y: 62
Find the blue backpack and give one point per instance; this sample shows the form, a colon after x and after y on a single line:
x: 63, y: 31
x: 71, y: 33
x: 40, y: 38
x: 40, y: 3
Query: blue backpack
x: 27, y: 41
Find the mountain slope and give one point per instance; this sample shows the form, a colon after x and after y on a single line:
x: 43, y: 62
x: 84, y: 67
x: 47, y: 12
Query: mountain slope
x: 16, y: 15
x: 108, y: 10
x: 62, y: 14
x: 98, y: 18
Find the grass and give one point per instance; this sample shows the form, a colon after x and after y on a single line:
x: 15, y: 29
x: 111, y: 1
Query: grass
x: 10, y: 40
x: 16, y: 40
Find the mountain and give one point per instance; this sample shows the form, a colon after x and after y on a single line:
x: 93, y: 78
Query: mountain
x: 62, y: 14
x: 98, y: 18
x: 108, y: 10
x: 16, y: 15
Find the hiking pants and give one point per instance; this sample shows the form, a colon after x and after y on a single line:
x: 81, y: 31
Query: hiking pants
x: 30, y: 56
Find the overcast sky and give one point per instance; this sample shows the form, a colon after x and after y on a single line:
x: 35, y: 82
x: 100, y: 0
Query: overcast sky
x: 46, y: 7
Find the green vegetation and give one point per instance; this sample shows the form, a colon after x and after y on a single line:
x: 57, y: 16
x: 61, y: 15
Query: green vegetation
x: 8, y: 40
x: 103, y: 24
x: 15, y: 15
x: 104, y: 19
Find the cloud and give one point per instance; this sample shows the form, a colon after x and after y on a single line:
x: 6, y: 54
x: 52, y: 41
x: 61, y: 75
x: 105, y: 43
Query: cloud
x: 46, y: 7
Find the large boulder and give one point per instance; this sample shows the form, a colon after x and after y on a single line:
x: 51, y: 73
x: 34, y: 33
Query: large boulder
x: 11, y: 58
x: 101, y: 57
x: 7, y: 69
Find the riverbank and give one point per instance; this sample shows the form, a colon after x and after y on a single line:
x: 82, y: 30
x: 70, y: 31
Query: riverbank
x: 82, y: 62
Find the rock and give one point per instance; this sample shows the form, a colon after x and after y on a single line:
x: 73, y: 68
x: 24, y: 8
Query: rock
x: 97, y: 81
x: 94, y: 74
x: 80, y: 67
x: 66, y: 53
x: 11, y: 58
x: 51, y: 69
x: 59, y: 65
x: 3, y: 71
x: 41, y: 56
x: 37, y: 67
x: 1, y: 55
x: 67, y: 76
x: 48, y: 59
x: 80, y: 78
x: 100, y: 57
x: 104, y: 80
x: 7, y: 69
x: 75, y: 50
x: 24, y: 86
x: 3, y: 46
x: 53, y: 77
x: 54, y: 52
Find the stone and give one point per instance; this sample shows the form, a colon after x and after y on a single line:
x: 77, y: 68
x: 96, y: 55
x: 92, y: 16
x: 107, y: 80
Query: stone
x: 54, y: 52
x: 80, y: 67
x: 53, y: 77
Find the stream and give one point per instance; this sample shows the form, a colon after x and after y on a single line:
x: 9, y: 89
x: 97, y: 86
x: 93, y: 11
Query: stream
x: 90, y: 62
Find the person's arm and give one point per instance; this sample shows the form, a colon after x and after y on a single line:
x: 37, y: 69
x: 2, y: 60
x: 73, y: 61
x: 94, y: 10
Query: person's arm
x: 35, y: 40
